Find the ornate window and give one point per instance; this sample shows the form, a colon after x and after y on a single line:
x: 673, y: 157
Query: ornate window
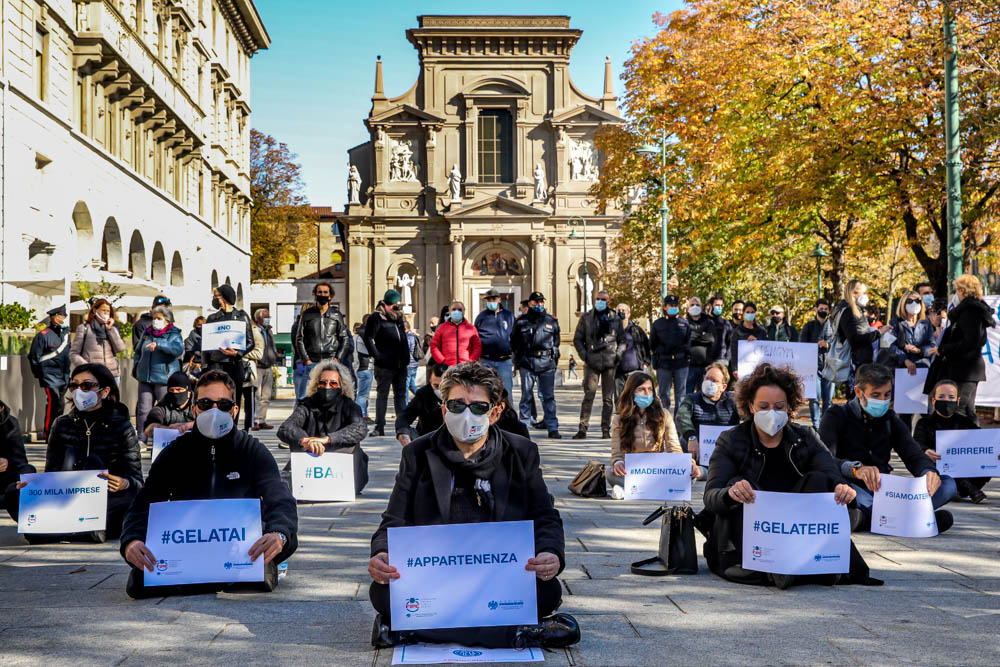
x: 496, y: 146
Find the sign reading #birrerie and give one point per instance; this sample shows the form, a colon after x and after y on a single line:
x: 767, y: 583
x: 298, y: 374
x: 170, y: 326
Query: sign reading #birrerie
x: 707, y: 435
x: 228, y: 334
x: 800, y: 357
x: 63, y: 502
x: 204, y: 541
x: 658, y: 476
x: 463, y: 575
x: 329, y: 476
x: 969, y: 453
x: 796, y: 533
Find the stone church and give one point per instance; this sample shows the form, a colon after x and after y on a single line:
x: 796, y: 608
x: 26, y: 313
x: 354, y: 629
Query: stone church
x: 478, y: 176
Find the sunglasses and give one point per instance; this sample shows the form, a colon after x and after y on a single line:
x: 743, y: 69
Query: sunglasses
x: 909, y: 301
x: 328, y: 384
x: 478, y: 408
x: 86, y: 385
x: 397, y: 307
x: 223, y: 404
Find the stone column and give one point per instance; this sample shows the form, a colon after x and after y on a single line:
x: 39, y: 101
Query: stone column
x: 358, y: 292
x: 539, y: 265
x: 562, y: 289
x: 456, y: 267
x: 380, y: 267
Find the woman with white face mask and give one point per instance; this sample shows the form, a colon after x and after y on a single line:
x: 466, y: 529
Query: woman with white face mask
x: 767, y: 452
x: 852, y: 325
x: 914, y: 334
x: 97, y: 340
x: 469, y: 471
x: 158, y: 356
x: 95, y: 434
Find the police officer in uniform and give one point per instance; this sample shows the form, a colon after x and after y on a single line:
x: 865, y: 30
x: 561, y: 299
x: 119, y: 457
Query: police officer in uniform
x: 535, y: 343
x: 49, y: 360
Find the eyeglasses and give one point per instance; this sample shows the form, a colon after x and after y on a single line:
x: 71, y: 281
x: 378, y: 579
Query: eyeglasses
x: 329, y: 384
x: 909, y: 301
x: 397, y: 307
x: 478, y: 408
x: 223, y: 404
x: 86, y: 385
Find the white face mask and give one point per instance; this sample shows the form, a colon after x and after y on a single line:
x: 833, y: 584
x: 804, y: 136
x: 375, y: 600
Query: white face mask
x: 694, y: 311
x: 159, y: 325
x: 266, y: 321
x: 85, y: 400
x: 437, y: 392
x: 708, y: 388
x: 862, y: 300
x: 102, y: 318
x: 467, y: 427
x: 770, y: 421
x: 913, y: 309
x: 214, y: 423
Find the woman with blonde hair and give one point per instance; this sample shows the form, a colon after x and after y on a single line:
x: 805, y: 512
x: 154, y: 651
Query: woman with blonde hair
x: 914, y: 333
x: 97, y: 340
x: 852, y: 326
x: 641, y: 424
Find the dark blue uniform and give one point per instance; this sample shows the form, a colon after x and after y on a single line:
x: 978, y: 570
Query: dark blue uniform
x: 535, y: 343
x: 49, y: 360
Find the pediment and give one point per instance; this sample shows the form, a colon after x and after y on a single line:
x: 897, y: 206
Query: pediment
x: 494, y: 86
x: 496, y: 207
x: 585, y: 114
x: 405, y: 114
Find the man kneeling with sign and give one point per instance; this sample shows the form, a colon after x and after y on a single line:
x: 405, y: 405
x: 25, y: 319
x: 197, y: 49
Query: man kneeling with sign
x: 766, y: 452
x: 469, y: 471
x: 212, y: 461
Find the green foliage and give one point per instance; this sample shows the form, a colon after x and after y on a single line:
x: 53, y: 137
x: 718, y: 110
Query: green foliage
x: 15, y: 316
x: 126, y: 329
x: 103, y: 289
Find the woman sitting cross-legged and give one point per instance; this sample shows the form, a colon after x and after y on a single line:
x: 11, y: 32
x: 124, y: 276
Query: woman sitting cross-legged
x: 640, y: 424
x: 767, y: 452
x: 470, y: 471
x: 328, y: 419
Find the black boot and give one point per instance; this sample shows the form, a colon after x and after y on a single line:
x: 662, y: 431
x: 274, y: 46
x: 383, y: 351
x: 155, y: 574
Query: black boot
x: 945, y: 520
x: 382, y: 637
x: 556, y: 631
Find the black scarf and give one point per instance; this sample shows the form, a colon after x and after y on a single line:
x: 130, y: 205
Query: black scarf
x: 100, y: 330
x: 475, y: 472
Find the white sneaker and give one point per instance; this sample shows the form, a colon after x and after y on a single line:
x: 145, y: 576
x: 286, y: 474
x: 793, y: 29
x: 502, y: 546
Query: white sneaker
x: 618, y: 492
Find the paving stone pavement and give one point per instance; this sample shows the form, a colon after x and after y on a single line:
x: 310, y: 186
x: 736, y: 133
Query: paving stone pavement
x: 66, y: 604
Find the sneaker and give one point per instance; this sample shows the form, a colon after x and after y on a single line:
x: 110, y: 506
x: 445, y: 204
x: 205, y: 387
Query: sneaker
x: 580, y: 435
x: 556, y: 631
x: 283, y: 445
x: 283, y: 570
x: 618, y: 492
x: 377, y: 431
x: 555, y: 435
x: 945, y: 520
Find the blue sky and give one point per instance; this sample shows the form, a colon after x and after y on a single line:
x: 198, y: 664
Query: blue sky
x: 313, y: 87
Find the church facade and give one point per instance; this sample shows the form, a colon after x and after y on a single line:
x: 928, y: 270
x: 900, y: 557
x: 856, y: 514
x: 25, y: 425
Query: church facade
x: 478, y: 177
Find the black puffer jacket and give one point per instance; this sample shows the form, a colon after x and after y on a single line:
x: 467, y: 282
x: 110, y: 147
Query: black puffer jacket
x: 194, y: 467
x: 112, y: 440
x: 386, y: 341
x: 321, y: 336
x: 165, y: 415
x: 599, y: 339
x: 343, y: 422
x: 962, y: 344
x: 703, y: 335
x: 739, y: 455
x: 12, y: 447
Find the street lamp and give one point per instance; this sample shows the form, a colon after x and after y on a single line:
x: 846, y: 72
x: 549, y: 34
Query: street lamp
x: 572, y: 222
x: 652, y: 150
x: 819, y: 254
x: 953, y: 145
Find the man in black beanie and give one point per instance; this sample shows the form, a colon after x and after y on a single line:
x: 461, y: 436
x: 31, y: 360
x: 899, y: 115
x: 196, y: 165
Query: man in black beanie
x: 174, y: 411
x: 228, y: 360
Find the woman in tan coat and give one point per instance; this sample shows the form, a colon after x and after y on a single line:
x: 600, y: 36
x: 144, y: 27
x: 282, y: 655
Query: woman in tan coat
x: 98, y: 340
x: 640, y: 425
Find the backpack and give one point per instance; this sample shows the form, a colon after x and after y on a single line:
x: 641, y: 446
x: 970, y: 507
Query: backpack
x: 837, y: 367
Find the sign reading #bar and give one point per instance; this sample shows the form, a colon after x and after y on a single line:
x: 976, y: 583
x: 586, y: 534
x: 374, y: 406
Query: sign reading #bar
x: 329, y: 476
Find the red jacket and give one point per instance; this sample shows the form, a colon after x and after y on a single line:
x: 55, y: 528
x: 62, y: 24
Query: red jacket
x: 454, y: 344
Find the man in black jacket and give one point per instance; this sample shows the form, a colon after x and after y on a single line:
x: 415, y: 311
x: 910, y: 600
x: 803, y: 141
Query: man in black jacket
x: 322, y: 333
x: 535, y: 343
x: 228, y: 360
x: 702, y: 346
x: 385, y: 338
x: 780, y: 329
x: 482, y: 475
x: 231, y: 464
x: 49, y: 361
x: 670, y: 342
x: 863, y: 434
x: 636, y: 355
x: 723, y: 328
x: 13, y: 459
x: 424, y: 408
x: 819, y: 331
x: 600, y: 342
x: 176, y: 410
x: 265, y: 376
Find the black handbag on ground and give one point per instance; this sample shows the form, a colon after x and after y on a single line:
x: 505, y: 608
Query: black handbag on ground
x: 677, y: 553
x: 590, y: 482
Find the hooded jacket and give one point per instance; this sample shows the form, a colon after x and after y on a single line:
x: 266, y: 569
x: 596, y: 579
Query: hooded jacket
x: 236, y: 465
x: 421, y: 495
x: 385, y: 339
x: 599, y: 339
x: 454, y: 343
x: 962, y: 344
x: 87, y: 349
x: 12, y: 447
x: 111, y: 443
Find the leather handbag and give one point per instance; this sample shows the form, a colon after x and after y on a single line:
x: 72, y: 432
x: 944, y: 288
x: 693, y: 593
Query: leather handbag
x: 590, y: 482
x: 677, y: 553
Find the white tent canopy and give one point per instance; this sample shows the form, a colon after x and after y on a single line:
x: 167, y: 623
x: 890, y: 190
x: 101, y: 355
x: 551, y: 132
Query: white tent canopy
x: 54, y: 284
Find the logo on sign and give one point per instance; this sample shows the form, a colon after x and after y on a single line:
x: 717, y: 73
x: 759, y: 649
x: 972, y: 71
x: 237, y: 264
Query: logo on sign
x: 505, y: 604
x: 882, y: 520
x: 32, y: 519
x: 757, y: 553
x: 635, y: 488
x: 466, y: 653
x: 413, y: 605
x: 229, y: 565
x: 161, y: 565
x: 821, y: 557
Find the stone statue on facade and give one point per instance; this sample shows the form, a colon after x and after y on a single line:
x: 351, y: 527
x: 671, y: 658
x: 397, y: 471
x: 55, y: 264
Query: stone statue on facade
x: 354, y: 186
x: 405, y: 283
x: 586, y: 286
x: 401, y: 167
x: 455, y: 184
x: 540, y: 190
x: 582, y: 160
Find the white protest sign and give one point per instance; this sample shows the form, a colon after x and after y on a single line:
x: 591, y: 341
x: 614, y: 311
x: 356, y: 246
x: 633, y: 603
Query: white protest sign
x: 204, y: 541
x: 988, y: 392
x: 658, y: 476
x: 463, y: 575
x: 230, y: 334
x: 796, y: 533
x: 902, y: 507
x: 799, y: 357
x: 969, y: 453
x: 441, y: 654
x: 161, y: 438
x: 908, y: 397
x: 329, y: 476
x: 707, y: 435
x: 63, y: 502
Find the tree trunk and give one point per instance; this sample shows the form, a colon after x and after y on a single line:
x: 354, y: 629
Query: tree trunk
x: 936, y: 268
x: 836, y: 236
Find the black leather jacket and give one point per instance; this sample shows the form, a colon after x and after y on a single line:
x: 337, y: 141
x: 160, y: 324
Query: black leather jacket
x: 111, y: 443
x: 320, y: 336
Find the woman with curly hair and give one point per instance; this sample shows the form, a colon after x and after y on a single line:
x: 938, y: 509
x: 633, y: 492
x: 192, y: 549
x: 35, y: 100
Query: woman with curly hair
x: 641, y: 424
x: 766, y: 452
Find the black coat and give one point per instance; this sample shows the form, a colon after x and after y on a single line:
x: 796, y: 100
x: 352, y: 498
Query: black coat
x: 270, y: 357
x: 640, y: 341
x: 723, y: 332
x: 425, y: 409
x: 12, y: 448
x: 925, y: 432
x: 815, y: 331
x: 215, y: 358
x: 669, y: 342
x: 535, y: 342
x: 386, y: 341
x: 49, y: 357
x: 853, y: 436
x: 857, y: 332
x: 703, y: 335
x: 112, y: 440
x: 320, y: 336
x: 961, y: 348
x: 599, y: 339
x: 421, y: 495
x: 194, y: 467
x: 739, y: 455
x: 791, y: 336
x: 742, y: 333
x: 343, y: 422
x: 192, y: 346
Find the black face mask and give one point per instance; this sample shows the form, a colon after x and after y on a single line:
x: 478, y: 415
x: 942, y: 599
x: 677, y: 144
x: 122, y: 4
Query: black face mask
x: 621, y: 314
x: 177, y: 399
x: 322, y: 299
x: 946, y: 409
x: 216, y: 303
x: 822, y: 314
x: 327, y: 396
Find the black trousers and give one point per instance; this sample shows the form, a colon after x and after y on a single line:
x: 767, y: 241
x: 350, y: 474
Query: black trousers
x: 549, y: 598
x: 386, y: 379
x: 248, y: 406
x: 118, y: 504
x: 967, y: 399
x: 136, y: 588
x: 54, y: 406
